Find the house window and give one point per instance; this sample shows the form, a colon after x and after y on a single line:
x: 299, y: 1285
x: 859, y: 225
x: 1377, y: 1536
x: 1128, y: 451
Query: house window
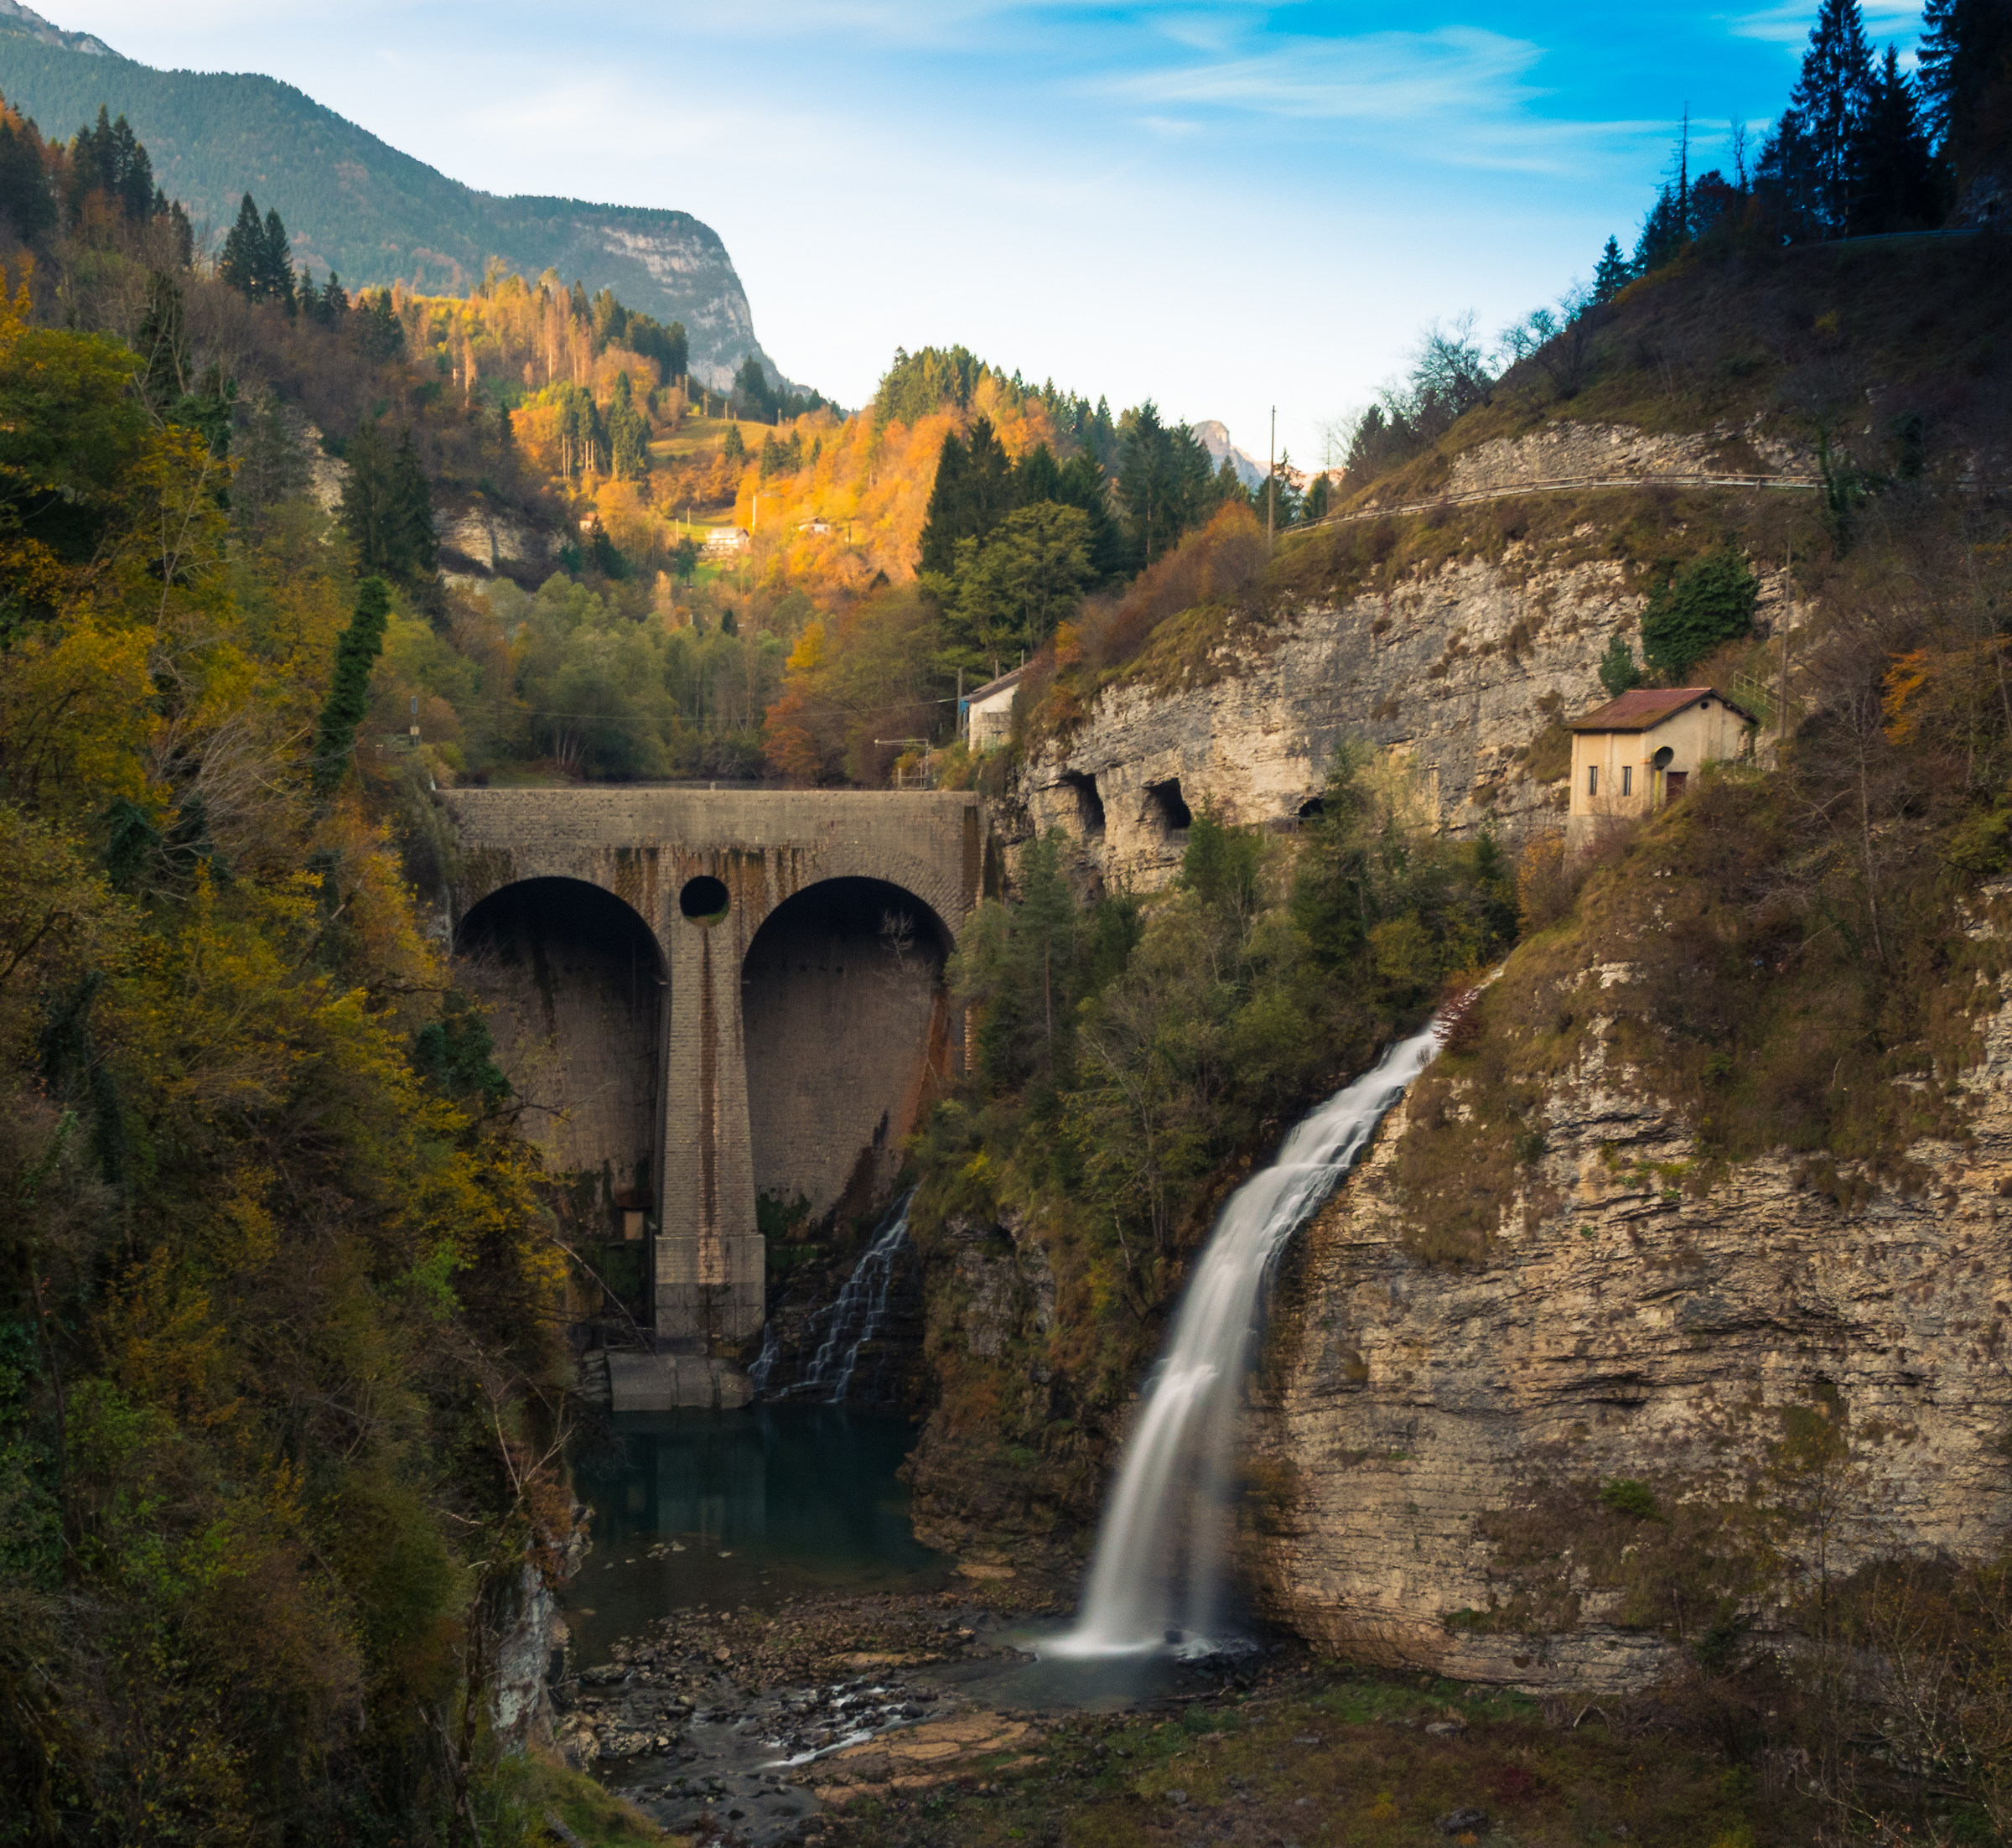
x: 1592, y: 779
x: 1627, y: 779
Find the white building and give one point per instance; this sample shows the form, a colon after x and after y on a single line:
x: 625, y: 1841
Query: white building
x: 987, y: 711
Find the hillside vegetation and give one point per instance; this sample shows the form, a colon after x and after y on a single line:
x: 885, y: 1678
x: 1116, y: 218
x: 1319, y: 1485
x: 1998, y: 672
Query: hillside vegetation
x: 359, y: 206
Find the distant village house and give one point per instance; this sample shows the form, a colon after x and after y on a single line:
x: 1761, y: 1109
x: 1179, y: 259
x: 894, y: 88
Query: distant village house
x: 721, y: 540
x: 1640, y: 751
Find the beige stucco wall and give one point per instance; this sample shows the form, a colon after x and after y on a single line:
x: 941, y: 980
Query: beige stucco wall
x: 1706, y: 733
x: 992, y: 720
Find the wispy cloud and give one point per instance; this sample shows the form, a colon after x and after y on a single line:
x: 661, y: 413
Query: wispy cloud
x: 1462, y: 94
x: 1788, y: 24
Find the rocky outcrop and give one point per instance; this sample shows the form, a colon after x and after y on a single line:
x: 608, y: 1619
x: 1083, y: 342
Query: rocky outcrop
x: 1607, y: 452
x: 1621, y: 1328
x: 1453, y: 674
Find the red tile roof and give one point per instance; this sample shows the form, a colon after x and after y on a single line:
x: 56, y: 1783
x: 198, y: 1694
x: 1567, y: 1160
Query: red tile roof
x: 1647, y: 707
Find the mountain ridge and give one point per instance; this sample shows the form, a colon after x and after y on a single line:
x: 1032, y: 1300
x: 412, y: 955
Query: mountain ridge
x: 354, y: 203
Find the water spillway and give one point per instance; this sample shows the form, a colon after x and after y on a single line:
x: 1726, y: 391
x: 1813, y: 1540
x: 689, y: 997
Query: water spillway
x: 1155, y: 1577
x: 848, y: 1326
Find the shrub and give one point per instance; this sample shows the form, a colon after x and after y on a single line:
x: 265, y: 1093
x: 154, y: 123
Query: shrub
x: 1624, y: 1495
x: 1709, y: 601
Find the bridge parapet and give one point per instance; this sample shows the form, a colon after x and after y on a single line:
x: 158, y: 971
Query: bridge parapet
x: 659, y: 850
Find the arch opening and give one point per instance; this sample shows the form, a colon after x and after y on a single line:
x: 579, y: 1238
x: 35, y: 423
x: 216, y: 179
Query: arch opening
x: 847, y: 1026
x: 573, y: 985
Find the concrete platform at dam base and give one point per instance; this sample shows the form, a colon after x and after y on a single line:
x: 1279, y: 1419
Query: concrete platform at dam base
x: 641, y: 1382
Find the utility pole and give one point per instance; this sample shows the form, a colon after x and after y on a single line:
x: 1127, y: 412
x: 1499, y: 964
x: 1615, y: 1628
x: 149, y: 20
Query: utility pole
x: 1271, y: 480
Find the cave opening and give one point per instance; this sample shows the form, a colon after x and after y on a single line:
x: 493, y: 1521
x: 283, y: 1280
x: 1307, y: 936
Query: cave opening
x: 1166, y: 804
x: 1089, y: 805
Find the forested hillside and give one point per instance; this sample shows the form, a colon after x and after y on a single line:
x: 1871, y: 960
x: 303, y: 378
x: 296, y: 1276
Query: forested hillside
x: 281, y: 1390
x: 375, y: 216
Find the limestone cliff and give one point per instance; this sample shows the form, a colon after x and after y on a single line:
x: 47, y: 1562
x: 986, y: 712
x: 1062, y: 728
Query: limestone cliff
x: 1457, y: 671
x: 1621, y: 1327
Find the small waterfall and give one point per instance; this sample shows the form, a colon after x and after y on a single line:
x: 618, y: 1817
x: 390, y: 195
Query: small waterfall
x: 765, y: 1362
x: 1155, y: 1576
x: 855, y: 1317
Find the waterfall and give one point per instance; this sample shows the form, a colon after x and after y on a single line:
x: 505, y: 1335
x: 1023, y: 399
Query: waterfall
x: 854, y: 1318
x: 1154, y: 1575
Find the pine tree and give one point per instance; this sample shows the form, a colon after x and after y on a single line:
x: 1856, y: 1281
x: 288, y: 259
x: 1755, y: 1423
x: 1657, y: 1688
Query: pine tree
x: 941, y: 521
x: 1966, y: 67
x: 26, y: 202
x: 1036, y: 476
x: 244, y: 252
x: 414, y: 497
x: 1613, y: 273
x: 335, y: 300
x: 629, y: 435
x: 276, y: 263
x: 1663, y: 233
x: 349, y: 698
x: 1830, y: 100
x: 1896, y: 186
x: 1787, y: 180
x: 1082, y: 485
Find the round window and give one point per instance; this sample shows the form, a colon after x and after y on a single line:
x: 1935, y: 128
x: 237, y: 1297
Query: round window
x: 703, y: 900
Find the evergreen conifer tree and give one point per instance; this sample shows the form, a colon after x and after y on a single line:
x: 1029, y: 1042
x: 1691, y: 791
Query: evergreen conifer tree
x: 1830, y: 99
x: 1896, y: 186
x: 349, y: 698
x: 627, y: 434
x: 941, y: 521
x: 1966, y: 80
x: 1613, y: 273
x: 26, y: 202
x: 276, y: 263
x: 414, y: 497
x: 1082, y: 485
x: 335, y: 300
x: 1036, y: 476
x: 243, y: 257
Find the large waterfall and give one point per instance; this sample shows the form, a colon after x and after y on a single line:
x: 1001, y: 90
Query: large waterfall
x: 1156, y: 1573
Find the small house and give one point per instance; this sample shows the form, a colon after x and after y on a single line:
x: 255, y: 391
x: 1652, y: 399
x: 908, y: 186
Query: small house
x: 721, y: 540
x: 1638, y: 752
x: 988, y: 712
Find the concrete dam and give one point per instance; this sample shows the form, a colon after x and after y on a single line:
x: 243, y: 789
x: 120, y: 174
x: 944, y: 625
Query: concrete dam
x: 702, y: 997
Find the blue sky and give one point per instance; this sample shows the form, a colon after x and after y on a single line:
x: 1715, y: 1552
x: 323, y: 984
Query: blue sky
x: 1221, y: 206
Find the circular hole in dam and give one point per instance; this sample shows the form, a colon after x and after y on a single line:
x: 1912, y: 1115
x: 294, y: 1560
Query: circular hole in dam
x: 703, y: 900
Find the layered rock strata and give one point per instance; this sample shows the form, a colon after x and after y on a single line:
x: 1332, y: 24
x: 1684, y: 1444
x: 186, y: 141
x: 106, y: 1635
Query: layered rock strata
x: 1629, y: 1332
x: 1453, y: 675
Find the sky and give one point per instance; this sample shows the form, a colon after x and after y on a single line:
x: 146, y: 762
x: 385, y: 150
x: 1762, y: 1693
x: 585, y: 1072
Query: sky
x: 1225, y: 207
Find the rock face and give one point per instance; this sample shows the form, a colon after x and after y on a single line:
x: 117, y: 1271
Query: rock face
x: 1567, y: 451
x: 1629, y: 1332
x: 1453, y: 674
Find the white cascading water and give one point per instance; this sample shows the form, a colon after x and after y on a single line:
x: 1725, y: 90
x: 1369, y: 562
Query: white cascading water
x: 1156, y: 1572
x: 855, y: 1316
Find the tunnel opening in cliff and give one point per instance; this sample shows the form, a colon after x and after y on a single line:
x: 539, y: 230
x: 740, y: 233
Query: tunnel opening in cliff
x: 1167, y: 810
x: 1089, y: 805
x: 847, y: 1028
x: 573, y: 985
